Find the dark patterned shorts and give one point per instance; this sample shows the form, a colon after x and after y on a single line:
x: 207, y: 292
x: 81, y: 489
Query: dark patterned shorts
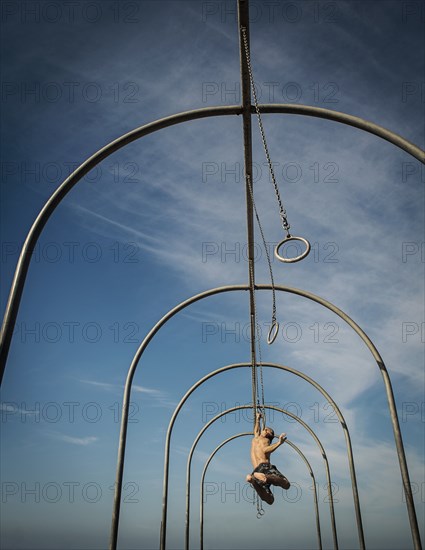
x: 269, y: 470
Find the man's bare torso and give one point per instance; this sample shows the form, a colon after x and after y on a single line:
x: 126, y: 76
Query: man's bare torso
x: 258, y: 450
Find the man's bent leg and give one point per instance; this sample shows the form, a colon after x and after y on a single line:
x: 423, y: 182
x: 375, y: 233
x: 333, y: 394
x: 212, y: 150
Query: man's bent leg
x: 262, y: 478
x: 279, y: 481
x: 262, y: 490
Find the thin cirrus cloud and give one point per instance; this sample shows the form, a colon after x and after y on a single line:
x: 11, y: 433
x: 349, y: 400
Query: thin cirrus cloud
x: 172, y: 209
x: 157, y: 397
x: 79, y: 441
x: 13, y: 408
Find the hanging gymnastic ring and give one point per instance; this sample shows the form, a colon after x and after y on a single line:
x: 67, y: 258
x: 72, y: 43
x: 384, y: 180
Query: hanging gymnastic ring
x: 297, y: 258
x: 273, y: 332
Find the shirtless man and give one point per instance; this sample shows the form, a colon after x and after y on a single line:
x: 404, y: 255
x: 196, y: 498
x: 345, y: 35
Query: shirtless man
x: 265, y: 474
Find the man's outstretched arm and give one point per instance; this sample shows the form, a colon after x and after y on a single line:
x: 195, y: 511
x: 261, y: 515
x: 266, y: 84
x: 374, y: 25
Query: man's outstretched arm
x: 275, y: 446
x: 257, y: 428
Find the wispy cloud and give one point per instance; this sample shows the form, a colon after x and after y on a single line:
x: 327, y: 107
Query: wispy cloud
x: 80, y: 441
x: 149, y: 391
x: 170, y: 209
x: 103, y: 385
x: 158, y: 398
x: 10, y: 408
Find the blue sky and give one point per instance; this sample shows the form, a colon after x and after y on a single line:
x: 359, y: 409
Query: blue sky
x: 164, y: 219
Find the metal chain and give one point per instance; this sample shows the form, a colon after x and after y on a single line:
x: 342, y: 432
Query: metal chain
x: 260, y: 227
x: 257, y: 501
x: 260, y: 509
x: 260, y: 363
x: 282, y: 212
x: 253, y: 365
x: 286, y: 226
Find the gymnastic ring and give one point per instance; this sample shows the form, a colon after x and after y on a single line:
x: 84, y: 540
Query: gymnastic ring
x: 273, y: 332
x: 297, y: 258
x: 260, y: 514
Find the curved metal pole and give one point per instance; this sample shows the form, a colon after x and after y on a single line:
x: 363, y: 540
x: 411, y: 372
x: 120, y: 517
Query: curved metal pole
x: 315, y: 496
x: 349, y: 120
x: 327, y: 397
x: 204, y: 471
x: 390, y: 398
x: 55, y: 199
x: 347, y: 442
x: 126, y: 403
x: 167, y: 452
x: 24, y: 260
x: 301, y: 454
x: 192, y: 450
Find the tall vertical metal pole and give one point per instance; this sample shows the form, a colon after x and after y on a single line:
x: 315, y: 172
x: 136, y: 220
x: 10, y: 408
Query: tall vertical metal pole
x: 243, y: 21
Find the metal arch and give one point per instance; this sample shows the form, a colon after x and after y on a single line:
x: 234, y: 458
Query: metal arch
x: 347, y: 442
x: 307, y: 379
x: 24, y: 260
x: 18, y: 282
x: 204, y: 471
x: 389, y: 393
x: 192, y: 450
x: 170, y: 429
x: 126, y: 401
x: 349, y: 120
x: 315, y: 497
x: 301, y: 454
